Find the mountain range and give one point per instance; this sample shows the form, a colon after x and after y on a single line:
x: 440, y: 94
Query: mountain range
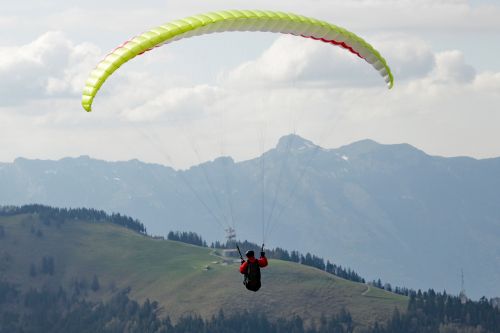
x: 387, y: 211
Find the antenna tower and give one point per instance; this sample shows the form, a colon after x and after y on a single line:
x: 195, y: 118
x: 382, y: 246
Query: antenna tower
x: 230, y: 235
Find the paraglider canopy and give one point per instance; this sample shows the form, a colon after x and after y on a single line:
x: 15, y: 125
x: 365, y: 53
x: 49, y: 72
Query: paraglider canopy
x: 233, y: 20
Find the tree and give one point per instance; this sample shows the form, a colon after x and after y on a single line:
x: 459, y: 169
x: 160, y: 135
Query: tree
x: 294, y: 256
x: 95, y: 284
x: 32, y: 270
x: 48, y: 266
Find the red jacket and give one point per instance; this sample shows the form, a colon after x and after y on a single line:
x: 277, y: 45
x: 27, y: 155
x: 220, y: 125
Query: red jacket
x: 262, y: 263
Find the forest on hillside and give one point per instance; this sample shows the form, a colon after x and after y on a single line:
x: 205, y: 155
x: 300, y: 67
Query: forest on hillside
x: 57, y: 309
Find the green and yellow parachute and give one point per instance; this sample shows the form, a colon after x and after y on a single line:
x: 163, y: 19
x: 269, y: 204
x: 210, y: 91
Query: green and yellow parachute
x: 232, y: 20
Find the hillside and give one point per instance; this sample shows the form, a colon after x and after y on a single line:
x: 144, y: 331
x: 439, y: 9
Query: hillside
x: 388, y: 211
x: 172, y: 273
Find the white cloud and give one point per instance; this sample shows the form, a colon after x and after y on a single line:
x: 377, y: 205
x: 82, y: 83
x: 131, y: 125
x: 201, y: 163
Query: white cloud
x: 292, y: 60
x: 451, y: 68
x: 408, y: 56
x: 451, y: 74
x: 488, y: 82
x: 284, y: 61
x: 174, y: 105
x: 50, y: 65
x: 299, y: 60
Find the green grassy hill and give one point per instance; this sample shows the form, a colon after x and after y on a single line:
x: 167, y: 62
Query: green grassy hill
x: 175, y: 274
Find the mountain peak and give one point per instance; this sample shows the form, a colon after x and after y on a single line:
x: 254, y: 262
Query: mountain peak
x: 224, y: 160
x: 365, y: 145
x: 402, y: 151
x: 294, y: 142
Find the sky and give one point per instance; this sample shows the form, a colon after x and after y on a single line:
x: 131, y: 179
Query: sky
x: 236, y: 93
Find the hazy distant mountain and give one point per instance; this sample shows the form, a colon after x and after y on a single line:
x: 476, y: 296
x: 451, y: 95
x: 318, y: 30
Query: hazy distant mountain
x: 388, y: 211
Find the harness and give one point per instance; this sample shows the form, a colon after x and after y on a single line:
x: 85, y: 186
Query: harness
x: 253, y: 271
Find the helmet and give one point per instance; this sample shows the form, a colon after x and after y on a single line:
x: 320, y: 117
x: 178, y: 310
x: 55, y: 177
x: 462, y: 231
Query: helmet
x: 249, y: 254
